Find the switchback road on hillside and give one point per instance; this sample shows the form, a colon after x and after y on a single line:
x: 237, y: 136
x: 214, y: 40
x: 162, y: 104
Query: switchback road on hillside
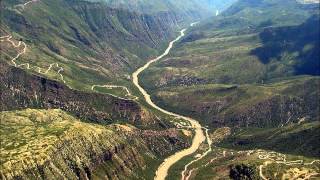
x: 8, y: 39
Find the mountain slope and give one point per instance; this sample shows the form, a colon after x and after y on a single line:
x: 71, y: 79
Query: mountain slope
x: 250, y: 75
x: 268, y: 105
x: 302, y: 138
x: 20, y: 90
x: 83, y: 45
x: 92, y: 42
x: 189, y: 8
x: 238, y: 70
x: 45, y: 144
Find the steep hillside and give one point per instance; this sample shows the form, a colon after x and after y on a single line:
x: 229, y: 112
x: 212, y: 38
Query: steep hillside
x: 20, y: 90
x: 55, y: 54
x: 114, y: 137
x: 186, y: 8
x: 70, y: 108
x: 248, y: 67
x: 251, y: 76
x: 154, y: 6
x: 216, y: 5
x: 264, y: 13
x: 46, y: 144
x: 93, y: 43
x: 300, y: 139
x: 268, y: 105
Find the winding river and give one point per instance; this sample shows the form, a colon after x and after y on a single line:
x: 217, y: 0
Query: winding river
x: 199, y: 136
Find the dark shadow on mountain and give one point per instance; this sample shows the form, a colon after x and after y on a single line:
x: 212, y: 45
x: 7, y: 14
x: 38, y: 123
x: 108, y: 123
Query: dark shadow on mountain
x: 302, y: 39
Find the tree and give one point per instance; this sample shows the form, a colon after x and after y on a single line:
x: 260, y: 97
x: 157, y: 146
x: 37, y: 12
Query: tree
x: 242, y: 172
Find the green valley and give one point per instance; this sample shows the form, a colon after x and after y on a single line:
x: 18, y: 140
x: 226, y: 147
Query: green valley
x: 253, y: 69
x: 163, y: 90
x: 223, y: 72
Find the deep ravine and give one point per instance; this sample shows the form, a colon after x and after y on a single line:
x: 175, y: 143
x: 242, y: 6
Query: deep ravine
x: 199, y: 136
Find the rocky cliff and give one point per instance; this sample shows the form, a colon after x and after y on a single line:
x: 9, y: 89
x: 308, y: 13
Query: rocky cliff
x: 51, y: 144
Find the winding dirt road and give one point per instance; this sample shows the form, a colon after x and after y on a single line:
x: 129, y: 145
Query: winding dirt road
x: 32, y: 1
x: 199, y: 136
x: 278, y: 158
x: 8, y: 38
x: 24, y: 5
x: 185, y: 174
x: 116, y: 86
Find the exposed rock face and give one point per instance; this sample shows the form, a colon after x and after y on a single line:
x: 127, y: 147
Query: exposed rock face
x: 162, y: 146
x: 110, y: 156
x: 21, y: 90
x: 51, y: 144
x: 79, y: 158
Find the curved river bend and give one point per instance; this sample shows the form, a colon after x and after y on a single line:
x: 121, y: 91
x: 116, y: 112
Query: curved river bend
x: 199, y: 137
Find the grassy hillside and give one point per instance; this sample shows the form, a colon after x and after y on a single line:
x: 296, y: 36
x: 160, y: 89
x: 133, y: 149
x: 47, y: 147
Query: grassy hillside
x: 200, y: 7
x: 154, y: 6
x: 267, y: 105
x: 299, y: 139
x: 234, y: 55
x: 255, y: 71
x: 93, y: 43
x: 80, y: 44
x: 255, y: 65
